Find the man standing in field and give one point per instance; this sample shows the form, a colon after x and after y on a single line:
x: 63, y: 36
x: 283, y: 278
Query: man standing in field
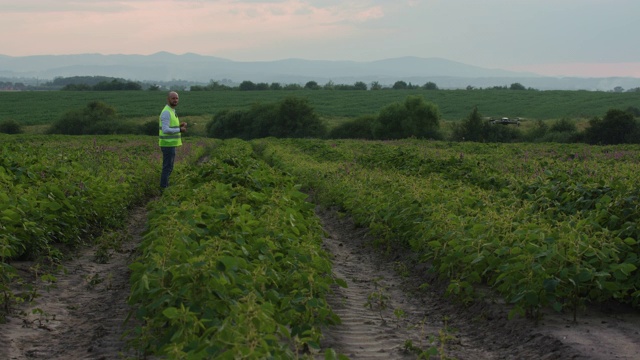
x: 170, y: 136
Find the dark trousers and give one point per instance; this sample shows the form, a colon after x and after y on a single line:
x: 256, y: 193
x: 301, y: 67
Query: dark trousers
x: 168, y: 157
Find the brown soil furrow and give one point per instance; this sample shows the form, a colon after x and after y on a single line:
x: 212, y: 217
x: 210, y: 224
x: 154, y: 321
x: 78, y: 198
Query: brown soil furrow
x: 385, y: 315
x: 377, y: 319
x: 82, y: 316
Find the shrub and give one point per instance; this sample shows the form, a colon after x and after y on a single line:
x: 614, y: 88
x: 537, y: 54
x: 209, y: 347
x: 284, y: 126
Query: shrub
x: 297, y: 119
x: 471, y: 129
x: 564, y: 125
x: 537, y: 132
x: 388, y: 125
x: 227, y: 124
x: 149, y: 128
x: 360, y: 128
x: 413, y: 118
x: 96, y: 118
x: 10, y: 127
x: 617, y: 127
x: 290, y: 118
x: 502, y: 134
x: 249, y: 124
x: 261, y: 116
x: 567, y: 137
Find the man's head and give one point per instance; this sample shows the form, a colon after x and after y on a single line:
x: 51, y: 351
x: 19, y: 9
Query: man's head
x: 172, y: 99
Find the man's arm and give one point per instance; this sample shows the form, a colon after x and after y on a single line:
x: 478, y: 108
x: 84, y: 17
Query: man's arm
x: 166, y: 120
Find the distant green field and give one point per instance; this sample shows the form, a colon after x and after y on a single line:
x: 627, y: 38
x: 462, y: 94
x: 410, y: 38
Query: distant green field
x: 38, y: 108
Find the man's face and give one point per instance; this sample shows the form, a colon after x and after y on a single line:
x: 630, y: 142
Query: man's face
x: 173, y: 99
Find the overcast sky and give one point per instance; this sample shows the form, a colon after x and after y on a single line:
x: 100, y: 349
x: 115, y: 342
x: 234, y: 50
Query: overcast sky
x: 550, y: 37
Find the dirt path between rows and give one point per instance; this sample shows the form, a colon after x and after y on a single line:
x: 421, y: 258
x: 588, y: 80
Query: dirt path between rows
x: 82, y: 317
x: 385, y: 314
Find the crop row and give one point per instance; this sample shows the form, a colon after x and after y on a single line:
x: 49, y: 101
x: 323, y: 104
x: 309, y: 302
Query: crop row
x: 44, y: 107
x: 58, y: 192
x: 231, y: 265
x: 544, y: 226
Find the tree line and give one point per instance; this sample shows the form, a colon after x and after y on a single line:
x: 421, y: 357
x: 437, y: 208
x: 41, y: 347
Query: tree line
x: 248, y: 85
x: 103, y: 83
x: 106, y: 83
x: 294, y: 117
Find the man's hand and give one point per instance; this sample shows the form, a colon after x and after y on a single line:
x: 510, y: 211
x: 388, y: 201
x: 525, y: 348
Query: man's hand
x: 183, y: 127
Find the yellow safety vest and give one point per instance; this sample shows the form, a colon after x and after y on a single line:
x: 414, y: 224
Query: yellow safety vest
x: 170, y: 139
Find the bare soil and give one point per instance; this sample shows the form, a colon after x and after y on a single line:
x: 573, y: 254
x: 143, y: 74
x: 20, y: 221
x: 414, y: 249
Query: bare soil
x: 386, y: 312
x: 83, y: 315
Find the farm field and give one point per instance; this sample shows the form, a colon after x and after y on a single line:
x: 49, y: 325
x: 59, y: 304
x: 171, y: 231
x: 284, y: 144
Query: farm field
x: 38, y: 108
x: 536, y: 238
x: 546, y: 225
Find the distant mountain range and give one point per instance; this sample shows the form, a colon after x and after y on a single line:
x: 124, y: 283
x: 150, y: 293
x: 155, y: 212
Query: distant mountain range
x: 164, y: 67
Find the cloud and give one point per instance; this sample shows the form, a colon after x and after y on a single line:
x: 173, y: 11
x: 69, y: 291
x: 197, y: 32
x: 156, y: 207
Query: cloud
x: 234, y: 27
x: 491, y: 33
x: 370, y: 13
x: 48, y: 6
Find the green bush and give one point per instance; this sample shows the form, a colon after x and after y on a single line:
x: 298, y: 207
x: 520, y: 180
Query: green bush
x: 502, y: 134
x: 566, y: 137
x: 388, y: 125
x: 227, y: 124
x: 297, y: 119
x: 537, y: 132
x: 617, y: 127
x: 564, y: 125
x: 10, y: 127
x: 471, y: 129
x: 149, y: 128
x: 290, y: 118
x: 96, y: 118
x: 260, y: 119
x: 254, y: 123
x: 359, y: 128
x: 413, y: 118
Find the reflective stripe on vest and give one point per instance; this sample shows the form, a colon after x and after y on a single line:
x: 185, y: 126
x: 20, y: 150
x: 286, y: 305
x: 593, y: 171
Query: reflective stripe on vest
x: 174, y: 123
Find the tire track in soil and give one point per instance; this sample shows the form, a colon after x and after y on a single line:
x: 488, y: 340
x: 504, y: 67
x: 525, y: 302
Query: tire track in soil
x: 368, y: 329
x: 83, y: 315
x: 377, y: 333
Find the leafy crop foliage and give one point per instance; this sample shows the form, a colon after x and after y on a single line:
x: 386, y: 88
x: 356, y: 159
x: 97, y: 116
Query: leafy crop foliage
x: 44, y: 107
x: 291, y: 117
x: 543, y: 225
x: 57, y: 192
x: 232, y: 264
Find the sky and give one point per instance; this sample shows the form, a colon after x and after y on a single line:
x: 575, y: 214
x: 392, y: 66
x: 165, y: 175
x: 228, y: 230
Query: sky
x: 550, y: 37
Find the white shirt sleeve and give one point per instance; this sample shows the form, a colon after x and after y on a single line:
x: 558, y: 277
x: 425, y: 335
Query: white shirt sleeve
x: 166, y: 120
